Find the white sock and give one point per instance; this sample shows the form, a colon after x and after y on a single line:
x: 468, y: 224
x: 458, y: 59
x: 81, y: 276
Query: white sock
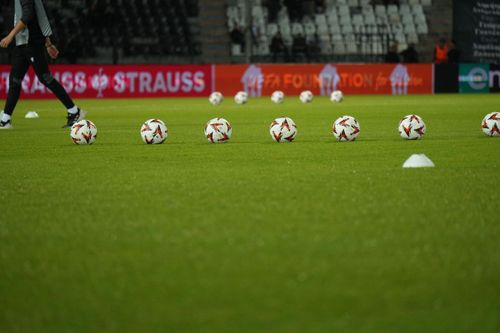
x: 73, y: 110
x: 5, y: 117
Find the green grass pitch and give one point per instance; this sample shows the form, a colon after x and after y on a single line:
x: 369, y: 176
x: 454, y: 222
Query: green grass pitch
x: 251, y: 236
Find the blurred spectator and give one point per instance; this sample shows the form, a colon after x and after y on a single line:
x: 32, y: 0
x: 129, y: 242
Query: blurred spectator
x: 278, y: 48
x: 299, y: 48
x: 308, y: 8
x: 313, y: 48
x: 273, y: 7
x: 441, y: 52
x: 453, y: 53
x: 392, y: 55
x: 410, y: 55
x: 320, y: 6
x: 295, y: 9
x: 238, y: 37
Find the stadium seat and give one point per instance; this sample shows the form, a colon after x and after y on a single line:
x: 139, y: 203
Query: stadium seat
x: 392, y: 9
x: 335, y: 29
x: 404, y: 9
x: 272, y: 29
x: 351, y: 48
x: 297, y: 28
x: 409, y: 28
x: 407, y: 19
x: 417, y: 9
x: 370, y: 19
x: 343, y: 11
x: 345, y: 20
x: 339, y: 49
x: 358, y: 20
x: 412, y: 38
x: 309, y: 29
x: 422, y: 29
x: 380, y: 10
x: 347, y: 29
x: 337, y: 38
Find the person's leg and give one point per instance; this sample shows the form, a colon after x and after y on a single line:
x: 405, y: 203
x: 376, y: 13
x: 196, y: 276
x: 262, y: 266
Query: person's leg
x: 41, y: 67
x: 20, y: 65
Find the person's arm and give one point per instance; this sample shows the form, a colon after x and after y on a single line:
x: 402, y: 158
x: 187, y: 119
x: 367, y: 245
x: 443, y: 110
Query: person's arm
x: 51, y: 48
x: 10, y: 37
x: 27, y: 16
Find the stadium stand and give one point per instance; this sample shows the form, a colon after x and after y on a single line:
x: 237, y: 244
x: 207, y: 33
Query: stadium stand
x: 201, y: 31
x: 344, y: 30
x: 123, y: 31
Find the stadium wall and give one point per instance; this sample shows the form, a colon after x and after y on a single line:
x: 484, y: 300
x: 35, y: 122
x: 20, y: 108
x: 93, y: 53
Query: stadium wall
x: 131, y: 81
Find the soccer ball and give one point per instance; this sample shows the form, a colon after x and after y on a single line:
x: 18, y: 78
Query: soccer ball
x: 278, y: 97
x: 83, y: 132
x: 283, y: 130
x: 306, y: 96
x: 216, y: 98
x: 412, y: 127
x: 346, y: 128
x: 491, y: 124
x: 218, y: 130
x: 241, y: 97
x: 154, y: 132
x: 337, y: 96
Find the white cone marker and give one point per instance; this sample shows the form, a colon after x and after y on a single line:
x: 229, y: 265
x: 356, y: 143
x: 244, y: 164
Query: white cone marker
x: 418, y: 161
x: 31, y: 115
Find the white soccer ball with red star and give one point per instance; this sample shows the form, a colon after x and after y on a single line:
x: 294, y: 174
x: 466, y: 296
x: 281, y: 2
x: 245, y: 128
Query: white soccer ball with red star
x: 83, y: 132
x: 216, y: 98
x: 278, y: 97
x: 283, y: 130
x: 412, y: 127
x: 306, y: 96
x: 241, y: 97
x: 218, y: 130
x: 346, y: 128
x: 491, y: 124
x: 154, y: 132
x: 337, y: 96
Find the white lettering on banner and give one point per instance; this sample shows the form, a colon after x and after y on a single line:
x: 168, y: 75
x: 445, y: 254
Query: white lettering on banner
x: 67, y: 81
x: 187, y: 82
x: 26, y: 84
x: 80, y: 82
x: 37, y: 86
x: 131, y: 76
x: 493, y: 75
x: 140, y: 82
x: 199, y: 81
x: 4, y: 81
x: 170, y: 87
x: 160, y: 83
x: 145, y: 80
x: 119, y: 82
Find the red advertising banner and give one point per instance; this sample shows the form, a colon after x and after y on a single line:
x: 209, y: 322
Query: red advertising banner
x: 322, y: 79
x: 94, y: 81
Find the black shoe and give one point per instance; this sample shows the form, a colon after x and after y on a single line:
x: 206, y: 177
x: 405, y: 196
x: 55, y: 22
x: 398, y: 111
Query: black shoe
x: 73, y: 118
x: 5, y: 125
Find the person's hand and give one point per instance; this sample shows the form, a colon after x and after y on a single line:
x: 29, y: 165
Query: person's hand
x: 52, y: 51
x: 6, y: 42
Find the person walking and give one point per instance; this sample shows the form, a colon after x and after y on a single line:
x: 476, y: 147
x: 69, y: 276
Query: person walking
x: 32, y: 33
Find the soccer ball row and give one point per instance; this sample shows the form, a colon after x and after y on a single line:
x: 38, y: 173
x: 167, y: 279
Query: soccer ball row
x: 345, y: 128
x: 277, y: 97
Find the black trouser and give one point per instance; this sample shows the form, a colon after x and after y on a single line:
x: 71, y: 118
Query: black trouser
x: 22, y: 58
